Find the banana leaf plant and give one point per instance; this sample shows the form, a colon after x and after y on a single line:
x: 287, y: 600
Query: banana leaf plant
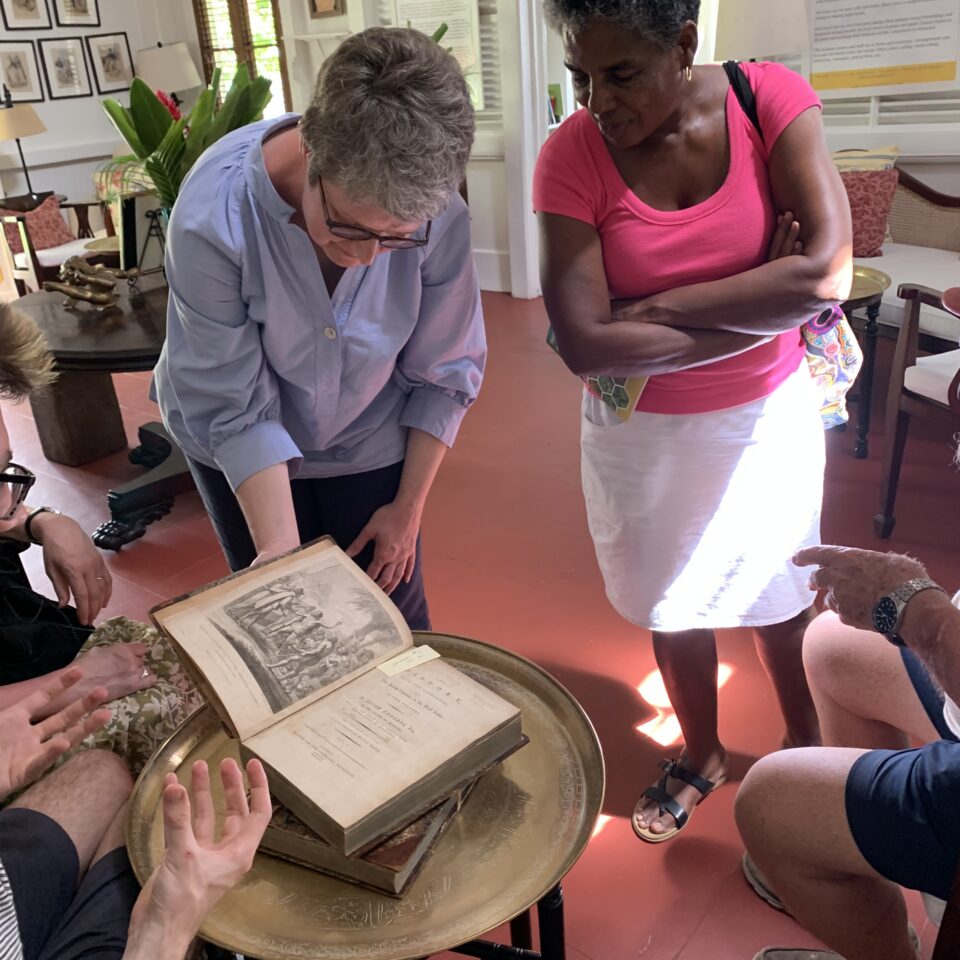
x: 168, y: 148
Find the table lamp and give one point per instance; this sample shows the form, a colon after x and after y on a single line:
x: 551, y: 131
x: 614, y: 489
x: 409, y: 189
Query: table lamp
x: 19, y: 120
x: 747, y: 29
x: 168, y: 67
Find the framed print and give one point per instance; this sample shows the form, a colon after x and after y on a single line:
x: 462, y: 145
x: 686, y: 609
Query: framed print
x: 111, y: 61
x: 327, y: 8
x: 77, y: 13
x: 19, y: 70
x: 25, y: 14
x: 65, y: 68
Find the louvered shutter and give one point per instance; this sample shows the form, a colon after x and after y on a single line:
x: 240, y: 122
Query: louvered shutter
x: 491, y: 114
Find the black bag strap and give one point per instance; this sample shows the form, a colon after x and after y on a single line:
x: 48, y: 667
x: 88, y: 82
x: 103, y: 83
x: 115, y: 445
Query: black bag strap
x: 744, y: 93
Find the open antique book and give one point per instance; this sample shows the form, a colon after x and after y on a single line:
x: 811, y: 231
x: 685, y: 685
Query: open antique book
x: 313, y: 669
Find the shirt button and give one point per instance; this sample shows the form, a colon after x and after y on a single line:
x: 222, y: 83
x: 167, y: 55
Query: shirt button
x: 330, y: 333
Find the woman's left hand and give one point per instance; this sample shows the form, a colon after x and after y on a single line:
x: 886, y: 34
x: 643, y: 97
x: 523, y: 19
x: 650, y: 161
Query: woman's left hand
x: 74, y: 565
x: 393, y: 528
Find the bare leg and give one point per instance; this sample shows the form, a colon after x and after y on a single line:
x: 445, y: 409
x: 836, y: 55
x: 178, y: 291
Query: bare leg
x: 114, y: 837
x: 791, y: 811
x: 863, y: 695
x: 83, y: 797
x: 780, y: 648
x: 688, y: 665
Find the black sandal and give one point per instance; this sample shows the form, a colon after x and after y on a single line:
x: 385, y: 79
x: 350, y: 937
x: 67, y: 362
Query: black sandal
x: 667, y: 803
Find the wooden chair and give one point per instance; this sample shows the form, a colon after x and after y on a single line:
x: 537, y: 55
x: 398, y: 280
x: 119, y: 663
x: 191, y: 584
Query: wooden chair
x: 33, y: 265
x: 919, y: 386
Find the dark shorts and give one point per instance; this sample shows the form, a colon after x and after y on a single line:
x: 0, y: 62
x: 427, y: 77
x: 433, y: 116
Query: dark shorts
x: 902, y: 804
x: 59, y: 920
x: 338, y: 507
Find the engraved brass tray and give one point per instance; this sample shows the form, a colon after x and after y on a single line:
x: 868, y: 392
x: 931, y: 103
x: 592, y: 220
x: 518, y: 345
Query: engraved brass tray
x: 868, y: 284
x: 521, y: 830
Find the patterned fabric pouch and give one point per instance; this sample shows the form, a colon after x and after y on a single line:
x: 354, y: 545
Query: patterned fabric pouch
x: 834, y: 358
x: 619, y: 393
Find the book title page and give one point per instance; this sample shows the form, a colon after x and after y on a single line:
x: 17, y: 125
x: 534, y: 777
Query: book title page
x: 360, y: 746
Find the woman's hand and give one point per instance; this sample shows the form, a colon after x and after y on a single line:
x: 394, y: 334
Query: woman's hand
x: 197, y: 870
x: 786, y: 238
x: 34, y: 734
x: 73, y: 564
x: 393, y: 528
x: 118, y: 668
x: 854, y: 580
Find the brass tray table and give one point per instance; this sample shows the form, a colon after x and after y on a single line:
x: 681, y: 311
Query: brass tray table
x: 523, y: 828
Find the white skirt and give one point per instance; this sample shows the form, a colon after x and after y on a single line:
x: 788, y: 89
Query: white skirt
x: 695, y: 517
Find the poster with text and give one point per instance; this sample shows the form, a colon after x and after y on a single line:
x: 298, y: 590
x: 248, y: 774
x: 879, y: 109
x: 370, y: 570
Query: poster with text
x: 874, y: 47
x: 462, y: 36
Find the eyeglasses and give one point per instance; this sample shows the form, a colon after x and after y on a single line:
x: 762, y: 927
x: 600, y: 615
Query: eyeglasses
x: 20, y: 480
x: 350, y: 231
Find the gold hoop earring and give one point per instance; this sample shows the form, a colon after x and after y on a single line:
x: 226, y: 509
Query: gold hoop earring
x: 688, y: 73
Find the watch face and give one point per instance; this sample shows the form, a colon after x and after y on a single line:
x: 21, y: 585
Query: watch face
x: 885, y: 615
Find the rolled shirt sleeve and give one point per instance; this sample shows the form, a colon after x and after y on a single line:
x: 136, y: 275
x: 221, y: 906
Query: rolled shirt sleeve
x: 215, y: 375
x: 441, y: 366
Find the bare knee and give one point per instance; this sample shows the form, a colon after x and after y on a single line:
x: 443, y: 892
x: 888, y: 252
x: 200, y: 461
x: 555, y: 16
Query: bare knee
x: 757, y: 806
x: 105, y: 773
x: 832, y: 652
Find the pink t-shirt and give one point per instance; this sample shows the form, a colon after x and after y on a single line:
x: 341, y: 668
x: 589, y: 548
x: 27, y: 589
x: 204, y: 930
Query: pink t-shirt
x: 647, y: 251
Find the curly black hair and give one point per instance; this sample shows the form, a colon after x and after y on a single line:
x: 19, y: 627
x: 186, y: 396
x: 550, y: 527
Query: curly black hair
x: 657, y: 20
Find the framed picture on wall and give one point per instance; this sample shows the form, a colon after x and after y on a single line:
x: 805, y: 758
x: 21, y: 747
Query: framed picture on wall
x: 65, y: 68
x: 111, y: 61
x: 77, y: 13
x: 327, y: 8
x: 20, y: 71
x: 25, y: 14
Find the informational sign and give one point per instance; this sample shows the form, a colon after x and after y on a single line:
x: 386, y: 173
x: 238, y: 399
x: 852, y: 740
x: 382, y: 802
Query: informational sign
x: 462, y: 37
x: 881, y: 47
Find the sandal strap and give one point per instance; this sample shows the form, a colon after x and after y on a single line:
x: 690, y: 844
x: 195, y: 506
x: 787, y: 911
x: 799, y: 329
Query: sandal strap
x: 666, y: 802
x: 676, y: 769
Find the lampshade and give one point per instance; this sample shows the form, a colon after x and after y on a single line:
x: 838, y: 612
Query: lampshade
x: 168, y: 67
x: 20, y: 120
x: 749, y: 29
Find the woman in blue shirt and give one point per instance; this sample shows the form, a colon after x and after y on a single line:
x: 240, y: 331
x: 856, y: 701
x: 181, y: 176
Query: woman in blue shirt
x: 313, y: 382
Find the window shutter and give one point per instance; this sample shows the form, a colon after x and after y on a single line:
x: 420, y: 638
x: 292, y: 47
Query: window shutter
x: 489, y: 57
x: 243, y: 31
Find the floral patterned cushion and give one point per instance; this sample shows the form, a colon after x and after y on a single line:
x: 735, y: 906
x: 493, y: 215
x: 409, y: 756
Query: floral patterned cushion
x: 142, y: 721
x: 45, y: 224
x: 870, y: 193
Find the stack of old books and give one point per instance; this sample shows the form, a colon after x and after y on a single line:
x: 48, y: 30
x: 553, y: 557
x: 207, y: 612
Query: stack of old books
x: 371, y: 744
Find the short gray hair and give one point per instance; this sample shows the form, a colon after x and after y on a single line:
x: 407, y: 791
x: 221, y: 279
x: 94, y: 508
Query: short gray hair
x: 660, y: 21
x: 391, y: 121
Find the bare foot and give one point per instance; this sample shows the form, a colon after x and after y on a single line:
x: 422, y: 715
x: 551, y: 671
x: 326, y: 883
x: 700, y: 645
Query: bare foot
x: 647, y: 816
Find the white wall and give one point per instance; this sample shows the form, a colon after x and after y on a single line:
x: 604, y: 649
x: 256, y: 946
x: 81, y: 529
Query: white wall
x: 79, y: 135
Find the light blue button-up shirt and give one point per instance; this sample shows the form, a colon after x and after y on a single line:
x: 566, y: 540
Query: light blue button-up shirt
x: 261, y: 367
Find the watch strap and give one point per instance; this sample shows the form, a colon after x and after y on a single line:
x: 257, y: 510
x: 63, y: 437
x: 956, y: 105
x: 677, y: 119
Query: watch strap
x: 28, y: 523
x: 902, y: 595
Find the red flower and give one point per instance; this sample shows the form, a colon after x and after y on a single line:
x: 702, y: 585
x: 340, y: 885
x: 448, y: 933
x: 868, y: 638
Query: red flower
x: 169, y: 104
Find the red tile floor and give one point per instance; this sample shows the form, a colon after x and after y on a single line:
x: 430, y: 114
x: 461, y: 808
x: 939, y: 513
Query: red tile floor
x: 509, y: 561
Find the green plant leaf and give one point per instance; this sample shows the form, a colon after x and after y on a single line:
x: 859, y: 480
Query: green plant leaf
x: 260, y: 95
x: 225, y: 119
x: 198, y: 125
x: 164, y: 164
x: 437, y: 34
x: 150, y: 117
x: 123, y: 121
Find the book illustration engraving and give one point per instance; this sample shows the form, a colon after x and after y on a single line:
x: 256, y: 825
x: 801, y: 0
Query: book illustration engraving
x: 290, y: 641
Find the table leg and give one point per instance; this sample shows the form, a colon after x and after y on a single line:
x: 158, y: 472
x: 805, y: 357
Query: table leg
x: 138, y: 503
x: 521, y: 931
x: 78, y: 418
x: 550, y: 922
x: 865, y: 401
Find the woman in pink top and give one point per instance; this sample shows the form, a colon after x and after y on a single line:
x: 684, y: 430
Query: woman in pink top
x: 659, y: 207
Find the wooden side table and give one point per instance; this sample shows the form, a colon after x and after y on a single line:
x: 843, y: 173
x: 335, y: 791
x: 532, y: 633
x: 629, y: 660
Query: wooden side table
x: 866, y: 294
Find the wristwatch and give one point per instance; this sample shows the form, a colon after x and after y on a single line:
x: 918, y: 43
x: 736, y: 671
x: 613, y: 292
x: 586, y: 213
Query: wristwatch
x: 28, y: 524
x: 888, y: 610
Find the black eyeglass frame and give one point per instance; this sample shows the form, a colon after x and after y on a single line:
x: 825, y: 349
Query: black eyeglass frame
x: 24, y: 481
x: 350, y: 231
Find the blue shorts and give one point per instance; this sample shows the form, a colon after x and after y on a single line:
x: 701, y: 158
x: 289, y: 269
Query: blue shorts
x: 59, y: 919
x: 902, y: 804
